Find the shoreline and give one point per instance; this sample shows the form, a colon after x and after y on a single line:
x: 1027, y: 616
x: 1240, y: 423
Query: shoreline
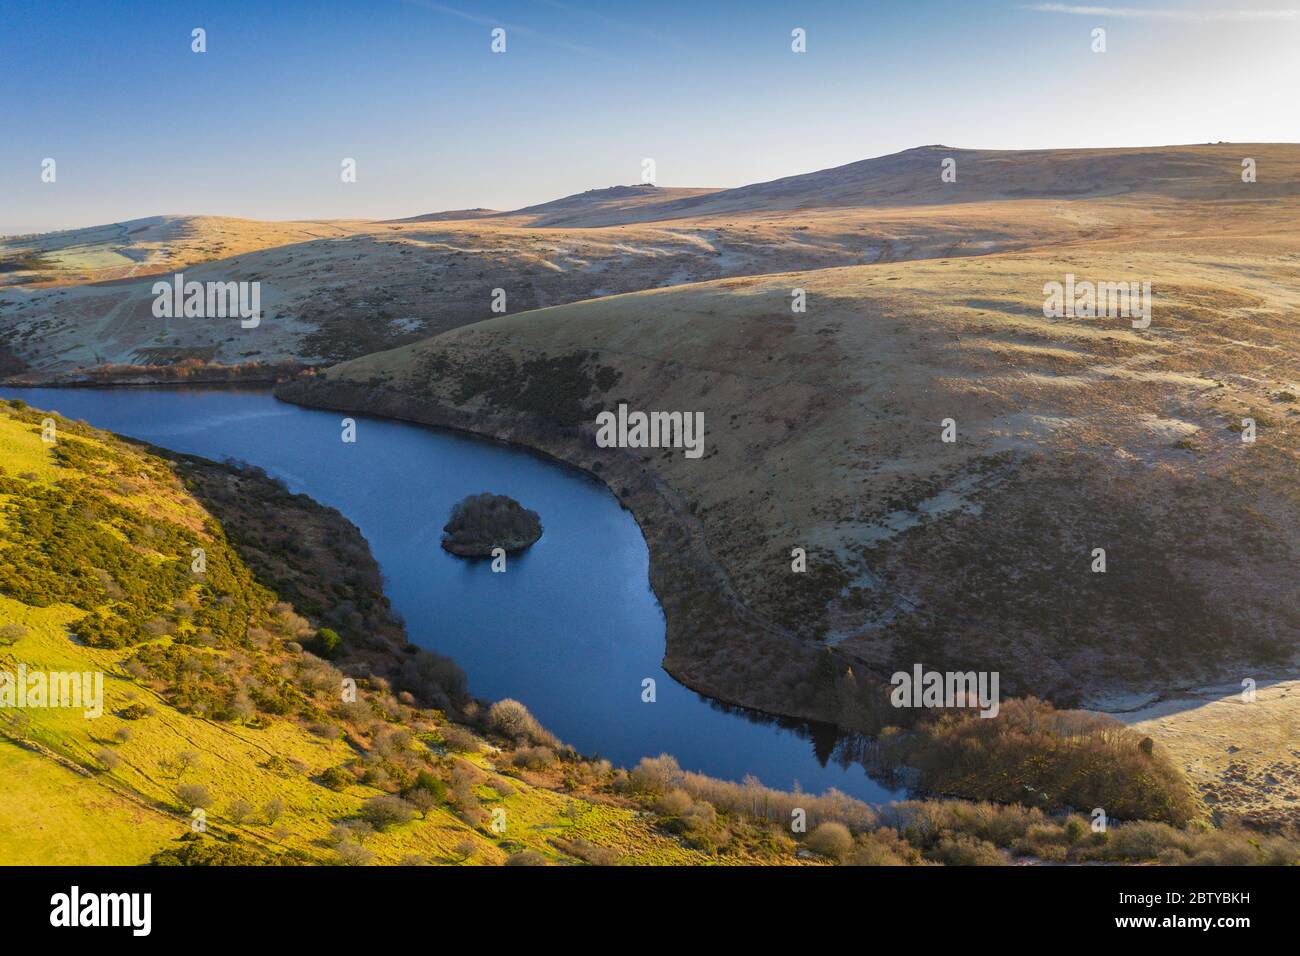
x: 683, y: 575
x: 225, y: 376
x: 687, y: 582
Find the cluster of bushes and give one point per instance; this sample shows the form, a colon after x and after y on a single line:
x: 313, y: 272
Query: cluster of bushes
x: 946, y: 830
x: 255, y: 371
x: 1030, y: 753
x: 329, y: 578
x: 750, y: 798
x: 1036, y: 755
x: 433, y: 679
x: 388, y: 810
x: 26, y: 262
x: 94, y: 555
x: 586, y: 851
x: 195, y: 849
x: 226, y: 687
x: 952, y: 832
x: 719, y: 815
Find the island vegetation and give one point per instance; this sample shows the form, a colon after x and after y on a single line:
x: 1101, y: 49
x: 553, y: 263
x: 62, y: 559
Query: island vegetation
x: 482, y: 523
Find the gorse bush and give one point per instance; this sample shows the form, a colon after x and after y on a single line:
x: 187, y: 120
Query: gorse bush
x: 459, y: 739
x: 533, y: 758
x: 587, y: 851
x: 327, y: 643
x: 107, y: 759
x: 129, y: 571
x: 433, y: 678
x: 354, y: 854
x: 883, y: 847
x: 206, y: 851
x: 673, y: 803
x: 526, y: 858
x: 655, y: 775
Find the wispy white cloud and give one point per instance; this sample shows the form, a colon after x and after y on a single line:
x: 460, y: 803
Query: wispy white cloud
x: 614, y: 22
x: 488, y: 21
x: 1183, y: 16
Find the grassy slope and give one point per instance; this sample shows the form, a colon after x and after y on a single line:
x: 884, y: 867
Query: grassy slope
x: 321, y: 303
x: 59, y: 806
x: 142, y: 247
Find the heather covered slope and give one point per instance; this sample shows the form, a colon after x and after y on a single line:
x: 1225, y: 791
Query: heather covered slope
x: 823, y: 431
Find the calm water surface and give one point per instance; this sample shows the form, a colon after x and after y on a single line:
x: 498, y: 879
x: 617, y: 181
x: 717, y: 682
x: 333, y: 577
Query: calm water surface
x: 571, y: 628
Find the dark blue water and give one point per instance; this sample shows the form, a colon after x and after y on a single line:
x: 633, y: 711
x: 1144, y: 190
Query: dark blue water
x: 571, y: 628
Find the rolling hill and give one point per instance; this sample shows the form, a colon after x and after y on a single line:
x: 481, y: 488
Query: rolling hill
x: 913, y: 177
x: 143, y: 247
x: 83, y: 299
x: 824, y: 431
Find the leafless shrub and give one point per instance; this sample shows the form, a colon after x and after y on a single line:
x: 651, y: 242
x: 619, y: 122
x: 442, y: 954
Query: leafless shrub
x: 107, y: 759
x: 534, y: 758
x: 459, y: 739
x: 237, y: 811
x: 512, y: 720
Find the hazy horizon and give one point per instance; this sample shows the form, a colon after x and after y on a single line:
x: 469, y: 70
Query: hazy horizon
x: 257, y: 126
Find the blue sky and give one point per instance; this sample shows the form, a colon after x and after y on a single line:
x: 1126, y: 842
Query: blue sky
x: 258, y: 125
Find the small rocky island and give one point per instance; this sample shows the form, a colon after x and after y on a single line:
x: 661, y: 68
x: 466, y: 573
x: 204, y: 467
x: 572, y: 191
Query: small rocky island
x: 483, y: 522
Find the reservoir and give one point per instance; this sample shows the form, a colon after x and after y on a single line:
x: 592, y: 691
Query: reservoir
x: 572, y: 628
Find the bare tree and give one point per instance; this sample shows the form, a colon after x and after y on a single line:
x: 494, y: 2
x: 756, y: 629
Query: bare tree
x: 272, y: 810
x: 237, y: 811
x: 184, y: 761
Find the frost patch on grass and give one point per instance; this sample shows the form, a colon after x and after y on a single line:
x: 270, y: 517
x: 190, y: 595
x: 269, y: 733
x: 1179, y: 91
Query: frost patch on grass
x: 952, y: 500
